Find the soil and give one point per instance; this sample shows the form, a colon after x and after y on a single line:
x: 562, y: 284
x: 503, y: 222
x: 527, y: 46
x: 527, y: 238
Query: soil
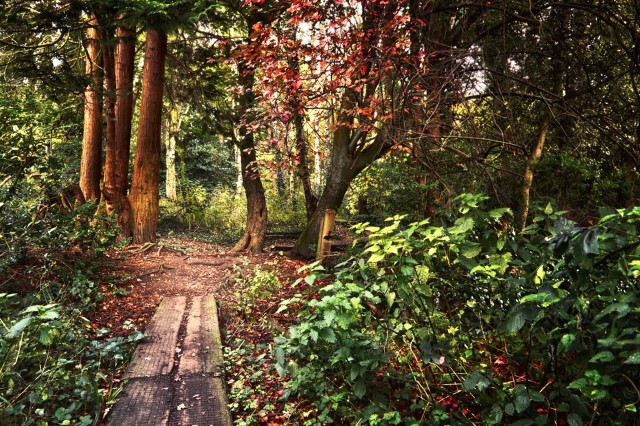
x: 170, y: 267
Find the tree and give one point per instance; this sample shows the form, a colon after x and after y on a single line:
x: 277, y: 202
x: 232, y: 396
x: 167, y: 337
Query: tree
x: 144, y: 196
x: 91, y: 162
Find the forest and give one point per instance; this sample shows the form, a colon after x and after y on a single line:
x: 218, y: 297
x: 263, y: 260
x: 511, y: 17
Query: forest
x: 482, y: 158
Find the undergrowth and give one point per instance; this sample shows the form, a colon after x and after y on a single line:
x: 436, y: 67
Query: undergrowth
x: 53, y: 370
x: 462, y: 322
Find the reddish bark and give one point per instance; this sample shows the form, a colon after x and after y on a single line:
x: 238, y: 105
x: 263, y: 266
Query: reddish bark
x: 119, y: 83
x: 90, y: 163
x: 144, y: 196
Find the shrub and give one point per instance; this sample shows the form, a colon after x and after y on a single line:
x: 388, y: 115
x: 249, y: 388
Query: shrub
x: 463, y: 322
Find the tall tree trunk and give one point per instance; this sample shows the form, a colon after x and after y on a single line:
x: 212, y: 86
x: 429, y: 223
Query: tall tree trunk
x: 173, y: 127
x: 116, y: 175
x: 90, y: 164
x: 109, y: 67
x: 145, y: 187
x: 125, y: 66
x: 256, y: 226
x: 527, y: 176
x: 317, y: 164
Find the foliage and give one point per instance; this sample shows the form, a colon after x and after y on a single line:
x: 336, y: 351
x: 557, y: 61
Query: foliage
x: 386, y: 188
x: 260, y: 285
x: 248, y: 362
x: 463, y: 322
x: 50, y: 368
x: 221, y: 213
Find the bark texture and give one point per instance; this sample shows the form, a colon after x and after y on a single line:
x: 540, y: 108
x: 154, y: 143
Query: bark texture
x: 256, y: 226
x: 144, y: 196
x: 90, y: 163
x: 116, y: 166
x: 125, y: 53
x: 535, y: 154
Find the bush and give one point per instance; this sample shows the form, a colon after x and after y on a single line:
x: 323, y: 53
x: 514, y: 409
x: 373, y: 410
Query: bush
x: 463, y: 322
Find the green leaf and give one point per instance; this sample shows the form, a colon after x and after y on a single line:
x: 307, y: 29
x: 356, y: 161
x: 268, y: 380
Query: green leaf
x: 328, y: 335
x: 407, y: 270
x: 45, y: 336
x: 391, y: 297
x: 498, y: 213
x: 634, y: 358
x: 313, y: 333
x: 587, y: 243
x: 578, y: 384
x: 566, y: 342
x: 18, y: 327
x: 548, y: 209
x: 279, y: 352
x: 49, y: 315
x: 476, y: 381
x: 329, y: 316
x: 509, y: 409
x: 604, y: 356
x: 376, y: 257
x: 522, y: 400
x: 360, y: 389
x: 494, y: 416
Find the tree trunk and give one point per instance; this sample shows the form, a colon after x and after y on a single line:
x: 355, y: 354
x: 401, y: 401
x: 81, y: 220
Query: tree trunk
x: 346, y: 164
x: 116, y: 175
x: 126, y: 50
x: 558, y: 72
x: 317, y: 165
x: 173, y: 127
x: 109, y: 66
x: 145, y: 187
x: 90, y: 164
x: 527, y: 177
x: 310, y: 200
x: 256, y: 226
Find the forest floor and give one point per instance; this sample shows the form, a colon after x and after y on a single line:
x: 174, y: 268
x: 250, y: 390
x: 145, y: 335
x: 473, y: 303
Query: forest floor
x: 248, y: 310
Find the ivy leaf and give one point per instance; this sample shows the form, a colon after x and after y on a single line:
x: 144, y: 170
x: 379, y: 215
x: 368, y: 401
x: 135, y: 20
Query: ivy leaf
x: 360, y: 389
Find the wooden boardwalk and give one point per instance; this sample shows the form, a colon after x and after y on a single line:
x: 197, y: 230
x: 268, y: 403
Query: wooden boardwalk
x: 176, y: 375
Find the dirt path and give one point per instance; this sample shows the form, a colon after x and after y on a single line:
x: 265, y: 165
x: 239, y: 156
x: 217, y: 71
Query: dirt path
x: 172, y: 267
x: 170, y: 289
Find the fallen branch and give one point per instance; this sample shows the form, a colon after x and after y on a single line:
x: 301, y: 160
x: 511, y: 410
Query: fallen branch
x: 159, y: 270
x: 216, y: 263
x: 135, y: 249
